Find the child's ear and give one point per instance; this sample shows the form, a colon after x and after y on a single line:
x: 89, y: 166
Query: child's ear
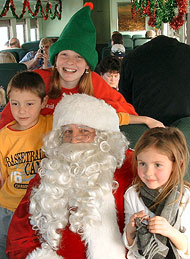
x: 44, y: 102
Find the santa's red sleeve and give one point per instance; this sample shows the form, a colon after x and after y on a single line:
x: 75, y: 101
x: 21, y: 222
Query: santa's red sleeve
x: 6, y: 116
x: 21, y: 238
x: 124, y: 177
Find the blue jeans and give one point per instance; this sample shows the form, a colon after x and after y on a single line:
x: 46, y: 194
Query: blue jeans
x: 5, y: 219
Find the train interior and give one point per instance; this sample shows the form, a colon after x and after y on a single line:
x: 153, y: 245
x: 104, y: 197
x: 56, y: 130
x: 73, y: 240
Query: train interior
x: 106, y: 16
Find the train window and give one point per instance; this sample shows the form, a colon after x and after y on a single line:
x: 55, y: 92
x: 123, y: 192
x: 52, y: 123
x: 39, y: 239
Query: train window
x: 24, y: 30
x: 33, y: 29
x: 20, y: 31
x: 5, y: 33
x: 125, y: 22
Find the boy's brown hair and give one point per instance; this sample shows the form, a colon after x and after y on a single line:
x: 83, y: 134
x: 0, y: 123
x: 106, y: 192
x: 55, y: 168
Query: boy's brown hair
x: 28, y: 81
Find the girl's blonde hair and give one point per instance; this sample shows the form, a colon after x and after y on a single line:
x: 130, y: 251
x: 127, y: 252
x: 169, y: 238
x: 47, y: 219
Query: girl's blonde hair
x: 45, y: 41
x: 171, y: 142
x: 7, y: 57
x: 85, y: 84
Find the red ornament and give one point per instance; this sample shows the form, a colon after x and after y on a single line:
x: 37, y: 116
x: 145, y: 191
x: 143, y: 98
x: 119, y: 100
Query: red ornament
x: 153, y: 10
x: 27, y: 4
x: 178, y: 20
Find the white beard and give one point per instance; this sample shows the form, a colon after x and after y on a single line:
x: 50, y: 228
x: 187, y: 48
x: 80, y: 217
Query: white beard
x: 72, y: 189
x: 76, y: 188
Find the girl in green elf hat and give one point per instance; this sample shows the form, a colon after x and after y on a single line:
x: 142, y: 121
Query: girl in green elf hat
x: 74, y: 57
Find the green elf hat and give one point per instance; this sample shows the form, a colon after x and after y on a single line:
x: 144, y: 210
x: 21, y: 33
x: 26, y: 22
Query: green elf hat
x: 78, y: 35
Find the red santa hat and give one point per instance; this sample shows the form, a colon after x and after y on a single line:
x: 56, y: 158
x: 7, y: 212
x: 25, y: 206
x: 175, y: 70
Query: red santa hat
x: 85, y: 110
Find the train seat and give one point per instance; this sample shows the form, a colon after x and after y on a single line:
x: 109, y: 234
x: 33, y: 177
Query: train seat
x: 18, y: 53
x: 128, y: 43
x: 8, y: 70
x: 106, y: 51
x: 12, y: 51
x: 133, y: 132
x: 127, y: 36
x: 31, y: 45
x: 140, y: 41
x: 137, y: 36
x: 99, y: 48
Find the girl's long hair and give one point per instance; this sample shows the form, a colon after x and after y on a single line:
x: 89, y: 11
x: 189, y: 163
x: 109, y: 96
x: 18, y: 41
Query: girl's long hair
x: 85, y: 84
x: 171, y: 142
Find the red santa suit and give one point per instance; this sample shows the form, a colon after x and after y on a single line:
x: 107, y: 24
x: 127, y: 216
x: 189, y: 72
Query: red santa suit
x: 22, y: 239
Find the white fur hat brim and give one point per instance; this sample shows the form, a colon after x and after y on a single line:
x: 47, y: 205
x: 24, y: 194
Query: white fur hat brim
x: 85, y: 110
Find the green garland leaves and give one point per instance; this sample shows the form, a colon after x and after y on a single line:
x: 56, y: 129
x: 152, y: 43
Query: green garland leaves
x: 45, y: 14
x: 161, y: 11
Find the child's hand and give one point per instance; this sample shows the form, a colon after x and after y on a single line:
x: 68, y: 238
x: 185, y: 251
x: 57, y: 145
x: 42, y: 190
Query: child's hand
x: 159, y: 225
x: 152, y: 123
x: 38, y: 55
x: 46, y: 58
x: 131, y: 228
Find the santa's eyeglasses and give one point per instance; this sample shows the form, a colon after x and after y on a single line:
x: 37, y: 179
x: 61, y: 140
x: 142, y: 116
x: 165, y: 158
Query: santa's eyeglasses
x: 81, y: 138
x: 82, y: 134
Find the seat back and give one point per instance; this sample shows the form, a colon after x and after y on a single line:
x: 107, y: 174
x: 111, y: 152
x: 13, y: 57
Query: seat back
x: 18, y: 53
x: 126, y: 36
x: 133, y: 132
x: 31, y: 45
x: 99, y: 48
x: 137, y: 36
x: 8, y: 70
x: 106, y: 52
x: 12, y: 51
x: 140, y: 41
x: 22, y: 52
x: 128, y: 43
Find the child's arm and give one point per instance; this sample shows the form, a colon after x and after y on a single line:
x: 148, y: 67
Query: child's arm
x: 150, y: 122
x: 159, y: 225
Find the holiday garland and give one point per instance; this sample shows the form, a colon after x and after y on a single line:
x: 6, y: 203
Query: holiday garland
x: 160, y: 11
x: 38, y: 7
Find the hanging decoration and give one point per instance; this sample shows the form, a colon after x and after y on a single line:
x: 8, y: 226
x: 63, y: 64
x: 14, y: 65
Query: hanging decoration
x: 26, y: 4
x: 158, y: 11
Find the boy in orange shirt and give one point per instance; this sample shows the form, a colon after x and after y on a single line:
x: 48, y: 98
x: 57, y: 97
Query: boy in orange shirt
x: 21, y: 142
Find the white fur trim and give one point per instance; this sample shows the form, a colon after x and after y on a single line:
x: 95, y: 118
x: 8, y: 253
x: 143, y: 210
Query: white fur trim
x: 105, y: 240
x: 86, y: 110
x: 44, y: 253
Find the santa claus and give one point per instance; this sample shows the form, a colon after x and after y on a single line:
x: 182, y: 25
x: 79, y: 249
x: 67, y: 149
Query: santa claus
x: 73, y: 208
